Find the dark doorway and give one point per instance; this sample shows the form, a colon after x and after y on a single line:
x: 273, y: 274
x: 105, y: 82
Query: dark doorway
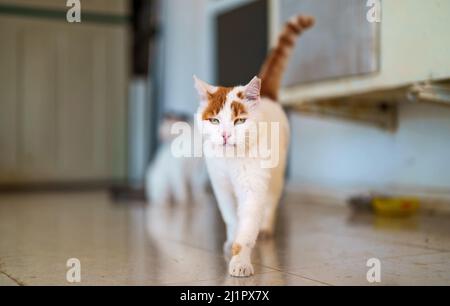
x: 241, y: 43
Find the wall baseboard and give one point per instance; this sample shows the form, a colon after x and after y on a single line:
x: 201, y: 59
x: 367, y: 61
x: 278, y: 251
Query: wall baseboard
x: 432, y: 200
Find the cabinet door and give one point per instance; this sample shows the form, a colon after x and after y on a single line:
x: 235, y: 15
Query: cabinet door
x: 62, y: 101
x: 342, y: 43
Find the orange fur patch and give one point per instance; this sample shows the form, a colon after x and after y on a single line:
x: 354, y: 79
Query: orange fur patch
x: 216, y: 101
x: 286, y: 40
x: 238, y: 109
x: 235, y: 249
x: 241, y: 95
x: 295, y: 28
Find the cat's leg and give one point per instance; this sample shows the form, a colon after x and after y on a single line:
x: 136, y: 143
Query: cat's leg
x: 227, y: 207
x: 226, y: 201
x: 272, y: 201
x: 250, y: 212
x: 180, y: 190
x: 178, y: 179
x: 199, y: 177
x: 267, y: 228
x: 157, y: 187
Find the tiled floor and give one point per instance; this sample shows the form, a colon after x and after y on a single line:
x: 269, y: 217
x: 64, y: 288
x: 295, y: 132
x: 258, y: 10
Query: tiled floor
x: 123, y: 243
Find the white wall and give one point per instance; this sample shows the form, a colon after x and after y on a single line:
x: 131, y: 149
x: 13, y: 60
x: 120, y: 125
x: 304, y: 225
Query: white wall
x: 186, y: 52
x: 334, y: 152
x: 189, y: 48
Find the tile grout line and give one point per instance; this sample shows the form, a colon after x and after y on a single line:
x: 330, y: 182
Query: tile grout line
x: 17, y: 282
x: 293, y: 274
x: 311, y: 279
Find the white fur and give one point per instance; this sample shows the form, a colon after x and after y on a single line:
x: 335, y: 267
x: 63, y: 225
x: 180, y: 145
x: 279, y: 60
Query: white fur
x: 247, y: 194
x: 171, y: 178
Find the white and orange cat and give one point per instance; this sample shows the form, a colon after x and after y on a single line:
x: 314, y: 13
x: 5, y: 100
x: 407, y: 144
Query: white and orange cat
x: 247, y: 193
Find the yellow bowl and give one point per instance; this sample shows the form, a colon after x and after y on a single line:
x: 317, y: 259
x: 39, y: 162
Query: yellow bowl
x: 395, y: 206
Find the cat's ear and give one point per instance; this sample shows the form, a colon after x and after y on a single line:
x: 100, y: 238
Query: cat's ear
x: 203, y: 88
x: 253, y: 89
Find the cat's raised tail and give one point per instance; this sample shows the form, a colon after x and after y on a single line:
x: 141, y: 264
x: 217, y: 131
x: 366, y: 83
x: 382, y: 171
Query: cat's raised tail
x: 273, y: 68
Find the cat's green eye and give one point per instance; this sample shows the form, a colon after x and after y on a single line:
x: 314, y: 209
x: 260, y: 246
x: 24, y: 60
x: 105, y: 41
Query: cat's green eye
x: 239, y: 121
x: 214, y: 121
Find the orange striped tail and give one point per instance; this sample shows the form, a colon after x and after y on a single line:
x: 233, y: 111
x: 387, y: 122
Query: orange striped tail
x: 271, y: 73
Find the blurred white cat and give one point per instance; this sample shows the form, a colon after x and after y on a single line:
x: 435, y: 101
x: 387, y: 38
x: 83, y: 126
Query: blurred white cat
x: 173, y: 179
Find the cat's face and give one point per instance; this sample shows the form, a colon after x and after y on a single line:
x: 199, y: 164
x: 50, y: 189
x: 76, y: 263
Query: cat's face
x: 227, y: 112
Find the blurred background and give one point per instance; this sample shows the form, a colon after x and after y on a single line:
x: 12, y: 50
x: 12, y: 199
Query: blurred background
x: 368, y: 101
x: 81, y: 102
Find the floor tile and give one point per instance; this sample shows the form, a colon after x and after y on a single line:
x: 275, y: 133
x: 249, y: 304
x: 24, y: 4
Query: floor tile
x: 133, y: 244
x: 429, y: 269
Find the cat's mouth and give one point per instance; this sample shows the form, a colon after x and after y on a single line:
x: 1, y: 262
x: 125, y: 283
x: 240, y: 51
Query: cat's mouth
x: 228, y: 144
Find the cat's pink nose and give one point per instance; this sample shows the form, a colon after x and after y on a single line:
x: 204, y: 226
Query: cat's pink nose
x: 225, y: 137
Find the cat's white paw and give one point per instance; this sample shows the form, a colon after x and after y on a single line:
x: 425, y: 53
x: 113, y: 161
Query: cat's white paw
x: 240, y: 267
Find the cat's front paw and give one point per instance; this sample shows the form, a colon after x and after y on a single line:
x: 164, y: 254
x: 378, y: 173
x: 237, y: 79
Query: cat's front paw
x: 240, y: 267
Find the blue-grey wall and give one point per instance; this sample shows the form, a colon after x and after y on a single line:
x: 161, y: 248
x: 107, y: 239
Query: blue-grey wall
x: 337, y: 152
